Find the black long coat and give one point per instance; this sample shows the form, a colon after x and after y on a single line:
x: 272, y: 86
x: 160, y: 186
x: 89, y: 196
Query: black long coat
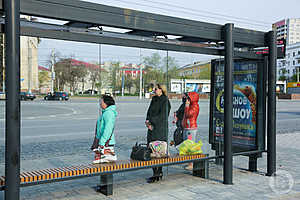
x: 157, y: 114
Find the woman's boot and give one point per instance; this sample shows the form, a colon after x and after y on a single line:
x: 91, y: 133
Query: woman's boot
x: 157, y: 175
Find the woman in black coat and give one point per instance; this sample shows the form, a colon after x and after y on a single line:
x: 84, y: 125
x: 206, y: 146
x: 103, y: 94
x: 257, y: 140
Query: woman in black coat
x: 157, y: 123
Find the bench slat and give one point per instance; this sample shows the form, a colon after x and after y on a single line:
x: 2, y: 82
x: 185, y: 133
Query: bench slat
x: 90, y: 169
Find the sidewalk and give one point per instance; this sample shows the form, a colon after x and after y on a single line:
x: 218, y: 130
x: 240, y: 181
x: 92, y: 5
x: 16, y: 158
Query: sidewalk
x: 180, y: 184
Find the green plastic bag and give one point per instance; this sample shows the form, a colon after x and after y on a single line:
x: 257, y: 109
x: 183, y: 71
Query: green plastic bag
x: 189, y: 147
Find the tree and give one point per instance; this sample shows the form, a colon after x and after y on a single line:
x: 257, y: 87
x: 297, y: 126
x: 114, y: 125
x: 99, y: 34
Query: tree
x: 95, y: 76
x: 172, y: 65
x: 114, y: 79
x: 283, y: 76
x: 154, y: 61
x: 294, y: 78
x: 156, y: 69
x: 43, y: 78
x: 77, y: 73
x: 152, y: 76
x: 136, y: 82
x: 67, y: 73
x: 61, y: 73
x: 128, y: 82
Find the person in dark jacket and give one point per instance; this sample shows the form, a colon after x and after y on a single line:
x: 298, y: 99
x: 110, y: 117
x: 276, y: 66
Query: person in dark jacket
x: 157, y: 123
x: 189, y: 122
x: 178, y: 117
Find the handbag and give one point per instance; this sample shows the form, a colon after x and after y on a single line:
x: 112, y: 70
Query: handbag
x: 178, y: 136
x: 140, y: 152
x: 159, y: 149
x: 96, y: 140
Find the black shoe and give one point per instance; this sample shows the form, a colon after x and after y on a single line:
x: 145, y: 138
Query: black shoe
x: 159, y: 177
x: 153, y: 179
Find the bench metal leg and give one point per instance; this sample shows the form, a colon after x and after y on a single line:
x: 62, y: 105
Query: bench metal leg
x: 253, y: 162
x: 200, y: 169
x: 219, y: 152
x: 106, y: 184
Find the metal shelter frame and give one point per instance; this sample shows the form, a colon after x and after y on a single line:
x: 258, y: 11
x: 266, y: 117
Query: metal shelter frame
x: 143, y: 30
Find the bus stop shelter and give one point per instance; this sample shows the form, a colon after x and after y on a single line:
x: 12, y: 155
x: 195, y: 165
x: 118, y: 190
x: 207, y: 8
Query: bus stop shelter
x: 146, y: 30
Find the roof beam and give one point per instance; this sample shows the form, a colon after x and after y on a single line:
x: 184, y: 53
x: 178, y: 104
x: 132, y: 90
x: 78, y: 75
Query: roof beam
x: 36, y: 29
x: 86, y: 12
x: 63, y: 32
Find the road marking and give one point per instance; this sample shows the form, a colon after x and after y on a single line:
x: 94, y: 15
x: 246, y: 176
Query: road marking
x: 64, y: 134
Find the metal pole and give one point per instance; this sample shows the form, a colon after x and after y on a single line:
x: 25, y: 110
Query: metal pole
x: 168, y: 71
x: 141, y: 74
x: 271, y: 125
x: 228, y: 90
x: 29, y: 64
x: 52, y: 71
x: 3, y: 63
x: 12, y: 118
x: 100, y: 79
x: 123, y: 82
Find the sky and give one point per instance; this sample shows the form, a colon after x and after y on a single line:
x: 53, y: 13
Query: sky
x: 250, y: 14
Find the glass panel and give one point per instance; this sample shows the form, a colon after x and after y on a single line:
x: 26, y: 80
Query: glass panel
x: 248, y: 106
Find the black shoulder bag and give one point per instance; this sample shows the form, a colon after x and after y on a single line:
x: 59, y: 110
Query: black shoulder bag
x: 140, y: 152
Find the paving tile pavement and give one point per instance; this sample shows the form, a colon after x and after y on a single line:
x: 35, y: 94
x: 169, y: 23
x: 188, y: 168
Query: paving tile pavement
x: 180, y: 184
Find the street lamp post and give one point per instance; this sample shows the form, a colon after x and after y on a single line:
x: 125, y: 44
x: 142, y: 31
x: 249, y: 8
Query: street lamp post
x: 141, y: 75
x: 52, y: 71
x: 123, y: 82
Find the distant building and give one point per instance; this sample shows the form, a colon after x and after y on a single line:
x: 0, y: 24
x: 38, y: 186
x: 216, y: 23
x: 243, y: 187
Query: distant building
x: 288, y: 29
x: 29, y: 62
x: 291, y: 63
x: 198, y: 70
x: 131, y: 69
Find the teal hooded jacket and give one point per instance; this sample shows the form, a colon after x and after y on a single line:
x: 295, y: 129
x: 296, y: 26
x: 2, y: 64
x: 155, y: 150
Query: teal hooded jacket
x: 106, y: 125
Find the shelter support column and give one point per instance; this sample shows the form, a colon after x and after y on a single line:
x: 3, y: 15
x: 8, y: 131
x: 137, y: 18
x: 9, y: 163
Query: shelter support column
x: 228, y: 93
x: 12, y: 118
x: 271, y: 123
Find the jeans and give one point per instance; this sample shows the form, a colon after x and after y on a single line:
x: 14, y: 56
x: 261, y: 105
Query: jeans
x: 190, y: 134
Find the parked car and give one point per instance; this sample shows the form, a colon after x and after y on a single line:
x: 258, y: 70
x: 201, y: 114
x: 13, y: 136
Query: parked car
x: 27, y: 95
x: 90, y: 92
x: 57, y: 96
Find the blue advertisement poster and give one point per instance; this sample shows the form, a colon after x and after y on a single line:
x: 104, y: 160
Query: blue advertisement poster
x: 193, y: 87
x: 244, y: 103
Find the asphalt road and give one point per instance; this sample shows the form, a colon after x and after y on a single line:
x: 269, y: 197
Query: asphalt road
x: 55, y: 134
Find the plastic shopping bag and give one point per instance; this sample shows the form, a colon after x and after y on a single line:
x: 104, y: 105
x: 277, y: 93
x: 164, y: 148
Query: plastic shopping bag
x: 189, y: 147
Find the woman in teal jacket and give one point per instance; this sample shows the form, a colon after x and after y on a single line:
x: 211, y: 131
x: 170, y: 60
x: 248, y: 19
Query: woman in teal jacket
x: 105, y: 131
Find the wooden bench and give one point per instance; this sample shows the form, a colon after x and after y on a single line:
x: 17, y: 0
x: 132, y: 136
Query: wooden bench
x: 106, y: 171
